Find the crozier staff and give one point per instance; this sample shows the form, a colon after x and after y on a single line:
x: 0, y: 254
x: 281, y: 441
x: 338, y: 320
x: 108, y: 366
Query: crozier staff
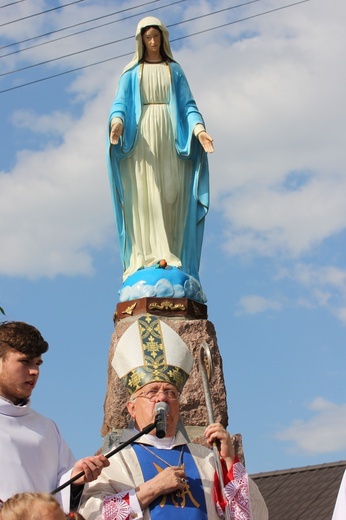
x: 160, y: 478
x: 157, y: 158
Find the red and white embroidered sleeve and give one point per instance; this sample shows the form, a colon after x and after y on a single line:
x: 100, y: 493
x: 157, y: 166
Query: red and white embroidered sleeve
x: 236, y: 492
x: 117, y: 507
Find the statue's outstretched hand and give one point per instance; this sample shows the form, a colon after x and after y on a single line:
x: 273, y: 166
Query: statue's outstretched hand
x: 116, y: 132
x: 206, y: 141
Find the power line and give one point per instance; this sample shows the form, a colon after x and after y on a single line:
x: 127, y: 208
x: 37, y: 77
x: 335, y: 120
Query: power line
x: 209, y: 14
x: 172, y: 40
x: 65, y: 72
x: 71, y: 27
x: 240, y: 20
x: 95, y: 27
x: 41, y: 12
x: 12, y: 3
x: 123, y: 39
x: 90, y: 28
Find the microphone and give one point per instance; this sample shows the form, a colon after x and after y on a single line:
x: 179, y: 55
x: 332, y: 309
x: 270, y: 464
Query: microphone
x: 161, y: 410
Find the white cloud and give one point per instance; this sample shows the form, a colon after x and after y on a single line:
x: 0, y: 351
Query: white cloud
x: 55, y: 203
x: 277, y: 113
x: 325, y: 432
x: 312, y: 276
x: 323, y: 286
x: 340, y: 313
x: 52, y: 123
x: 254, y: 304
x: 271, y: 221
x: 317, y: 287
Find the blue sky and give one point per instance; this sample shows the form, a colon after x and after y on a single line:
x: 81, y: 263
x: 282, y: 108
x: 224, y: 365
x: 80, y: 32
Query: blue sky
x: 271, y: 90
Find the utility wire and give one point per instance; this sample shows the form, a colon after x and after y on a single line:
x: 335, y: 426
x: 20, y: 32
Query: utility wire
x: 95, y: 27
x: 121, y: 39
x: 12, y: 3
x: 66, y: 56
x: 173, y: 40
x: 90, y: 28
x: 41, y: 12
x: 72, y: 26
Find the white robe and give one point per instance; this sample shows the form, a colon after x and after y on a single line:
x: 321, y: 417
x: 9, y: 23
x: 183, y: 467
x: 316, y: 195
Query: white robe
x: 155, y: 179
x: 34, y: 456
x: 124, y: 474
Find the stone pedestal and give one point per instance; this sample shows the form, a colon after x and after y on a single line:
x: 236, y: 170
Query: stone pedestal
x: 193, y: 407
x: 192, y: 402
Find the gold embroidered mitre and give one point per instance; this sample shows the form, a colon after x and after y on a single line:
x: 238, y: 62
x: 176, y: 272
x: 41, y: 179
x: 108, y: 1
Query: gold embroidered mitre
x: 149, y: 351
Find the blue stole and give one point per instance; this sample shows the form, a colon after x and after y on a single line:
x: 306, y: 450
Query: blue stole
x: 190, y: 501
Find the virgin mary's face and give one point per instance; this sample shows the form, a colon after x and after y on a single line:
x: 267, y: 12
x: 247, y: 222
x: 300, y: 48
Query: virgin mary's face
x: 152, y: 42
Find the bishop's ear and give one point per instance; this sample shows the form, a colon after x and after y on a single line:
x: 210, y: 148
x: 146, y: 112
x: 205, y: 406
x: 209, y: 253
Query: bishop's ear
x: 130, y: 405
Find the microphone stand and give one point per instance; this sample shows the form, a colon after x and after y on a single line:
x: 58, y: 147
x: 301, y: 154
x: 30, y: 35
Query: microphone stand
x: 145, y: 430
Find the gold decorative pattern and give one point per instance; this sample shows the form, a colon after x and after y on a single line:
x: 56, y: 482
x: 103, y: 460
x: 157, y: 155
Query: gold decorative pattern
x: 129, y: 310
x: 167, y: 305
x: 155, y: 367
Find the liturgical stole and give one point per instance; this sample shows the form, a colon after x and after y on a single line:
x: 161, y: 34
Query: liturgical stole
x: 188, y: 503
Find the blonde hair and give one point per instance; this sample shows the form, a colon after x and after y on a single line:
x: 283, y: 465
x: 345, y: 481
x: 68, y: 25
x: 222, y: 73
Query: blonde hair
x: 28, y: 506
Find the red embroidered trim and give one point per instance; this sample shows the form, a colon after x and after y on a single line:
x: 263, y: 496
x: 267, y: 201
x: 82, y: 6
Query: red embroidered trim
x: 116, y: 507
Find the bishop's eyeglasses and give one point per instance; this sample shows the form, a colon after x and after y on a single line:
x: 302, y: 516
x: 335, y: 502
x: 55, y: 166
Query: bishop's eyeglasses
x: 170, y: 393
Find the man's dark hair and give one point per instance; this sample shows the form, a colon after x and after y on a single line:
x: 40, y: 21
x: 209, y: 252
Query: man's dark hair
x: 20, y: 336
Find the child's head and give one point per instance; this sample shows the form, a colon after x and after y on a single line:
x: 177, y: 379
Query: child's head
x: 32, y: 506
